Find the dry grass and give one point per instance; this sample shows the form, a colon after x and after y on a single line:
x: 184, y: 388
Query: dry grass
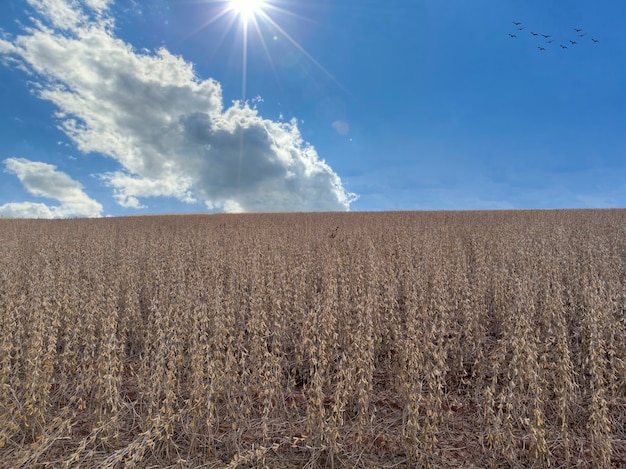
x: 406, y: 339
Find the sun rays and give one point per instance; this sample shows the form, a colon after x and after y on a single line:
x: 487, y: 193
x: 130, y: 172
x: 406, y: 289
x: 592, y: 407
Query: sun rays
x: 258, y: 20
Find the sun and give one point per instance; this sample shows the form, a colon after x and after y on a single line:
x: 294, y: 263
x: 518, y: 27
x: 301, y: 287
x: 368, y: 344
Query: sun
x: 247, y: 8
x: 257, y: 16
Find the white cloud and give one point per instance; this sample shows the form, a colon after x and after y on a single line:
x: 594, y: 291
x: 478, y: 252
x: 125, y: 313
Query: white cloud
x: 25, y: 210
x: 168, y: 128
x: 69, y: 14
x: 98, y: 5
x: 60, y: 13
x: 44, y: 180
x: 6, y: 47
x: 127, y: 188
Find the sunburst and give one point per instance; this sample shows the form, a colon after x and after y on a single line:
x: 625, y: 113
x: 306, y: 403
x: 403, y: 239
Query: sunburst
x: 259, y: 15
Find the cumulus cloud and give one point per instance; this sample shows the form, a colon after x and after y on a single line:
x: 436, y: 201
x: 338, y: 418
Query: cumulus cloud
x: 44, y: 180
x: 167, y: 128
x: 6, y: 47
x: 68, y: 15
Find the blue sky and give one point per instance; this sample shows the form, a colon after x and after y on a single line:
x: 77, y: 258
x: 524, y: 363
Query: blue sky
x: 121, y: 107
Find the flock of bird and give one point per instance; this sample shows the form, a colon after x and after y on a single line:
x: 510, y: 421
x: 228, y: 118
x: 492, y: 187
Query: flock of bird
x: 548, y: 38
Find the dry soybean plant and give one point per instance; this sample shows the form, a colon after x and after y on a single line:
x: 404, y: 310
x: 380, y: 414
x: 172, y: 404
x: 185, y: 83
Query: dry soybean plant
x: 401, y: 339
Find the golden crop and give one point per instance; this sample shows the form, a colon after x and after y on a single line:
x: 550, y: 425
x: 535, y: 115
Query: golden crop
x: 402, y: 339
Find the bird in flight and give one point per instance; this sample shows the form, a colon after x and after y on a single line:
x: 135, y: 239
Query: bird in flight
x: 541, y: 48
x: 563, y: 47
x: 512, y: 35
x: 546, y: 35
x: 549, y: 42
x: 581, y: 35
x: 521, y: 29
x: 573, y: 43
x: 595, y: 40
x: 516, y: 23
x: 577, y: 30
x: 534, y: 34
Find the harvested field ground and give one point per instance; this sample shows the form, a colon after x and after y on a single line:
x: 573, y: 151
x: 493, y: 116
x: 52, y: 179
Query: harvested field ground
x: 360, y: 340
